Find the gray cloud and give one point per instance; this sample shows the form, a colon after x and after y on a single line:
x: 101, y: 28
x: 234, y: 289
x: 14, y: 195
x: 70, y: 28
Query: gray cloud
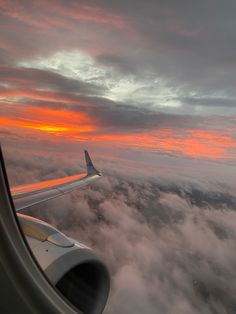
x: 27, y: 78
x: 189, y: 47
x: 211, y: 102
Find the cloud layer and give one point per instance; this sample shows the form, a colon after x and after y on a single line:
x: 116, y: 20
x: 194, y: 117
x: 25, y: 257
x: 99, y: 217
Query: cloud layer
x: 169, y: 246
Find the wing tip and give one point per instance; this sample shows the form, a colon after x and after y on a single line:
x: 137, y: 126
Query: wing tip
x: 89, y: 164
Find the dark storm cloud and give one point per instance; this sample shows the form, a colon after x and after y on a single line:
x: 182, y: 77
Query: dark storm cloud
x: 166, y: 253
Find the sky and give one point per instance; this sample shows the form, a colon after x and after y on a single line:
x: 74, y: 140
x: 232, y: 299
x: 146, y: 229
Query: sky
x: 156, y: 76
x: 148, y: 87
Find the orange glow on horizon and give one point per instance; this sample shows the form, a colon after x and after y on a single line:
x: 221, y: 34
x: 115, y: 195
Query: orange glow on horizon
x: 38, y: 95
x: 72, y: 126
x: 51, y: 121
x: 193, y: 143
x: 49, y: 128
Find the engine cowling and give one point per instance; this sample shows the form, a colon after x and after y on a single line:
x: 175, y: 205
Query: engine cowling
x: 70, y: 266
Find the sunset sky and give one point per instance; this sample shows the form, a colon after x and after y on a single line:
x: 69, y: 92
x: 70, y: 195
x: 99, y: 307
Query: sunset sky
x: 153, y: 78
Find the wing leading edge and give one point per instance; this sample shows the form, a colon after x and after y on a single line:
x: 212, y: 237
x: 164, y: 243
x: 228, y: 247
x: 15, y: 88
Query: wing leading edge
x: 28, y: 195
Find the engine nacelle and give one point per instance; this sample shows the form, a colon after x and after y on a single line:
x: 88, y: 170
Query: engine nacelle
x: 69, y: 265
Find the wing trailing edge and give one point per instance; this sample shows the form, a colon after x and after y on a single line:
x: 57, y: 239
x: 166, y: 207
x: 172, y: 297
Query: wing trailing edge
x: 27, y: 195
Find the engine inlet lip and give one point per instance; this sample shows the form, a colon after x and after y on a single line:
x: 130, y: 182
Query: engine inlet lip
x: 76, y: 258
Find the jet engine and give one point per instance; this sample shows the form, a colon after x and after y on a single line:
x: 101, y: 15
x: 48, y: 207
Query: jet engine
x: 71, y: 267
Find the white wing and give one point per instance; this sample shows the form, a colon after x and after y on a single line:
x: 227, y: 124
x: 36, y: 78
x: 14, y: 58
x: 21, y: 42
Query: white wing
x: 27, y: 195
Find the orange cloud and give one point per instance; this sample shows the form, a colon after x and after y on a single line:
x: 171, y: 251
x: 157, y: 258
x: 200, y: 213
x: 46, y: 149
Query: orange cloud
x: 51, y: 121
x: 79, y: 127
x: 192, y: 143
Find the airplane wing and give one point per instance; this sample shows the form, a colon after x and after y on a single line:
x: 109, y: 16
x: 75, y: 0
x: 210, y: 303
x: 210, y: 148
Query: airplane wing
x: 28, y: 195
x: 81, y: 281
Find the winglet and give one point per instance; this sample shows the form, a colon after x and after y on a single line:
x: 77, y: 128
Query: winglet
x: 90, y: 167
